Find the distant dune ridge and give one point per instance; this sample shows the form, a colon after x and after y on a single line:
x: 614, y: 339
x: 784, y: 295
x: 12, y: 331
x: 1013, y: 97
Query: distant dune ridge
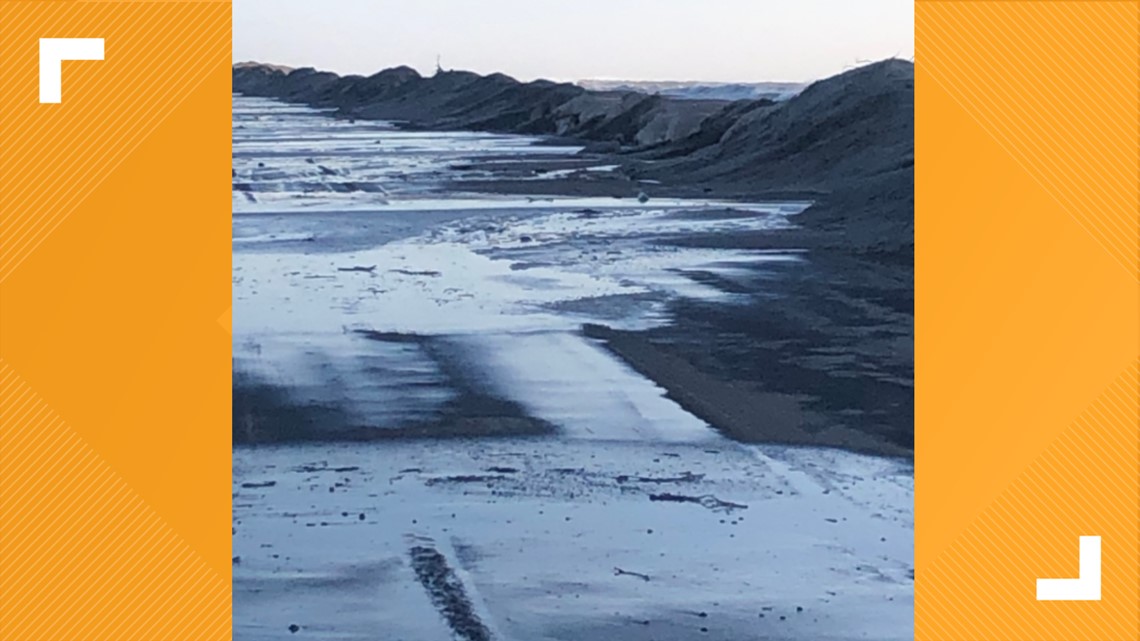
x: 846, y: 141
x: 700, y: 90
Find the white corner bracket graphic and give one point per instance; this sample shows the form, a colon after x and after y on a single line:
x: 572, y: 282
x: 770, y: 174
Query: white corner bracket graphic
x: 1086, y: 587
x: 53, y: 51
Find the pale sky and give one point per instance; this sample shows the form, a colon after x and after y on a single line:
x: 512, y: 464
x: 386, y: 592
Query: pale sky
x: 710, y: 40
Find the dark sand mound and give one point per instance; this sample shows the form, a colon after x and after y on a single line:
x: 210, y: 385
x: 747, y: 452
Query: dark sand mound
x: 851, y: 126
x: 846, y: 142
x: 633, y: 118
x: 849, y: 138
x: 831, y: 341
x: 465, y: 100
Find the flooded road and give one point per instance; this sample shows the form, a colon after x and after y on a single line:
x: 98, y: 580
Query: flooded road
x: 509, y: 477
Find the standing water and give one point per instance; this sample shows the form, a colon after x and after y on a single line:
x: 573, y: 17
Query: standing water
x: 453, y: 457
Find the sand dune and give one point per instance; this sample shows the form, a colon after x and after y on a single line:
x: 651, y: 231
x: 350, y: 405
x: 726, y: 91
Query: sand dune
x: 846, y: 142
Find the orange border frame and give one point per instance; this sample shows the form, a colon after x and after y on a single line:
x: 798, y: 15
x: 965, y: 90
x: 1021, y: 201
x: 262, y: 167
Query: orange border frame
x: 114, y: 368
x: 1027, y: 325
x: 114, y: 456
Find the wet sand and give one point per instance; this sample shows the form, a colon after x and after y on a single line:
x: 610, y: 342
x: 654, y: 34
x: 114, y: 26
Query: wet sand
x: 463, y: 413
x: 561, y: 539
x: 824, y: 355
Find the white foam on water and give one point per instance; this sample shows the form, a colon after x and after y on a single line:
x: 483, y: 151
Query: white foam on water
x: 501, y: 273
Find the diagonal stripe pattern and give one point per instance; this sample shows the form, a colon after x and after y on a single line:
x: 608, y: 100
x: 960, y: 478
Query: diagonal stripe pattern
x: 53, y: 157
x: 1024, y: 70
x: 979, y: 588
x: 89, y: 559
x: 83, y: 553
x: 1027, y: 310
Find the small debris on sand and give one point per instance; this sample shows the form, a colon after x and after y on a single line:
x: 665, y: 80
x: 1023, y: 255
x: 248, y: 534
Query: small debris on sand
x: 324, y: 467
x: 620, y: 572
x: 411, y: 272
x: 464, y: 478
x: 684, y: 477
x: 708, y: 500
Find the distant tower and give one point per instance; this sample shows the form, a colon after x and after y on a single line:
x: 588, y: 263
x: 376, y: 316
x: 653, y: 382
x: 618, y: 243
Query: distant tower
x: 438, y: 67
